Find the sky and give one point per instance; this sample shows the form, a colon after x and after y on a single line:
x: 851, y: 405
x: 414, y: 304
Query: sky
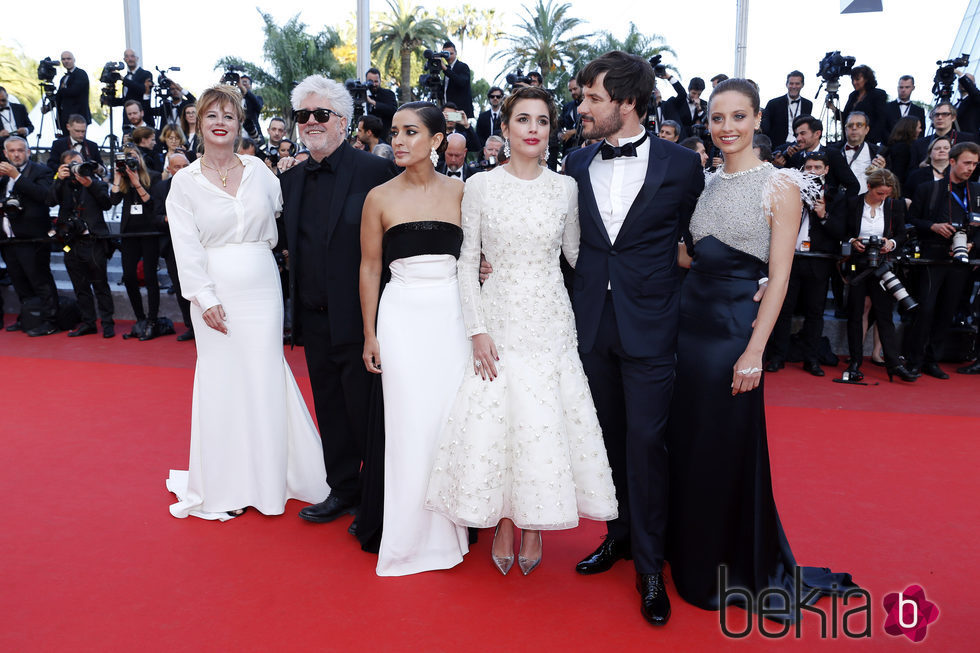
x: 906, y: 38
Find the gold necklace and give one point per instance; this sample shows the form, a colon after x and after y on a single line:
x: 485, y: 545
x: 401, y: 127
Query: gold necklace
x: 224, y: 177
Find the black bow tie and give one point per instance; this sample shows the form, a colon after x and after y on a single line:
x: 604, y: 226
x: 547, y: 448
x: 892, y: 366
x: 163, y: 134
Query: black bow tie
x: 627, y: 149
x: 458, y: 173
x: 312, y: 166
x: 848, y: 148
x: 796, y: 101
x: 905, y: 104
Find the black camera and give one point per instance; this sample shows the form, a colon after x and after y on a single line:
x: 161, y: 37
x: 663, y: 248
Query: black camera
x: 518, y: 77
x: 110, y: 75
x: 233, y: 74
x: 432, y: 80
x: 945, y: 78
x: 831, y: 68
x: 10, y: 207
x: 67, y: 230
x: 83, y: 168
x: 125, y: 160
x: 46, y: 69
x: 658, y: 68
x: 164, y: 83
x: 876, y: 263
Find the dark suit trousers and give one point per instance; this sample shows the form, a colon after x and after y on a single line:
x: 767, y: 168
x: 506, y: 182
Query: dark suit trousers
x: 807, y: 280
x: 170, y: 259
x: 29, y: 267
x: 882, y: 305
x: 341, y: 387
x: 86, y: 265
x: 938, y: 292
x: 632, y: 398
x: 148, y: 249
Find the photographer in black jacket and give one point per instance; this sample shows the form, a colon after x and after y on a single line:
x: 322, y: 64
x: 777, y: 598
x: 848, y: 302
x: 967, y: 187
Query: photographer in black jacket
x: 381, y: 101
x: 159, y: 192
x: 82, y: 198
x: 941, y: 214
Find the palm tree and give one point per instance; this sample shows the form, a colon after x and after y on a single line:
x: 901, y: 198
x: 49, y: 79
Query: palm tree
x: 18, y: 72
x: 399, y: 37
x: 641, y: 45
x: 293, y: 55
x: 544, y: 40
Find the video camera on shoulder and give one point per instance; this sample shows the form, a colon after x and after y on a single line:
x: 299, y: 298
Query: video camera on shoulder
x: 945, y: 80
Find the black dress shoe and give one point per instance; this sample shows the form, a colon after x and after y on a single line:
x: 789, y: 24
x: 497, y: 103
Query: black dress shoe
x: 902, y: 373
x: 45, y: 329
x: 327, y: 510
x: 654, y: 604
x: 775, y: 366
x: 108, y: 330
x: 932, y: 369
x: 970, y: 369
x: 352, y: 529
x: 853, y: 372
x: 84, y: 330
x: 186, y: 335
x: 813, y: 367
x: 603, y: 558
x: 14, y: 327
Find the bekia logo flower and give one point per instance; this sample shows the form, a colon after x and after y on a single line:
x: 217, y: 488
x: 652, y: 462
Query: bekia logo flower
x: 909, y: 613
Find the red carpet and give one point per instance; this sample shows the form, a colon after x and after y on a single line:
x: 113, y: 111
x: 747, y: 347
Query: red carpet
x: 879, y: 481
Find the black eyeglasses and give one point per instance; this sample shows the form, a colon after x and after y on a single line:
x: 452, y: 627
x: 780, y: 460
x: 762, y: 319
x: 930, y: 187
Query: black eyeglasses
x: 495, y: 96
x: 320, y: 115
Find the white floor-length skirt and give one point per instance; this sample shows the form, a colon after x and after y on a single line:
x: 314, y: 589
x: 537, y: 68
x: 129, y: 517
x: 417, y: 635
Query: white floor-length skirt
x: 253, y: 442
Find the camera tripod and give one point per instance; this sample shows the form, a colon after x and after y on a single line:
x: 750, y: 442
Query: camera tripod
x: 47, y: 106
x: 830, y: 112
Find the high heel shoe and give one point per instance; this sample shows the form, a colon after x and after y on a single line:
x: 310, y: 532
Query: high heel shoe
x: 502, y: 563
x: 527, y: 565
x: 853, y: 372
x: 902, y: 373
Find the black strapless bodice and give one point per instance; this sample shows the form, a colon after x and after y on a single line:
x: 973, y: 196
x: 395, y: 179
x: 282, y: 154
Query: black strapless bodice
x: 420, y: 237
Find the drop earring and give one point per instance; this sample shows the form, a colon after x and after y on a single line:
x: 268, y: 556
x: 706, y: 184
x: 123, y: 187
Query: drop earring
x: 506, y: 148
x: 434, y: 157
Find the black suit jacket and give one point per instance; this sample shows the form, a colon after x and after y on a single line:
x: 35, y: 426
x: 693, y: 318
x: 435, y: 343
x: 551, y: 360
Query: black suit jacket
x: 94, y: 201
x: 134, y: 88
x: 894, y: 213
x: 90, y: 152
x: 21, y: 119
x: 159, y: 192
x: 357, y: 174
x: 931, y: 205
x: 486, y: 127
x: 33, y: 188
x: 920, y: 148
x: 72, y: 96
x: 893, y: 113
x: 641, y: 264
x: 968, y: 108
x: 385, y: 106
x: 840, y: 180
x: 680, y: 111
x: 458, y: 91
x: 873, y: 105
x: 775, y: 118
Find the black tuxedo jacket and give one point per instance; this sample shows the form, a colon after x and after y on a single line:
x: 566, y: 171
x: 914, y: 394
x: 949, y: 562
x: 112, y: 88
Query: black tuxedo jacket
x: 90, y: 152
x: 825, y: 235
x: 134, y: 86
x: 33, y: 188
x: 840, y: 180
x: 21, y: 119
x: 775, y: 118
x: 873, y: 105
x: 358, y: 172
x: 894, y: 213
x: 681, y: 111
x: 893, y: 113
x: 841, y: 145
x: 641, y: 264
x: 968, y: 108
x: 72, y: 96
x: 167, y: 109
x: 921, y: 147
x: 458, y: 91
x: 385, y: 106
x: 932, y: 205
x: 159, y: 192
x: 94, y: 201
x: 486, y: 127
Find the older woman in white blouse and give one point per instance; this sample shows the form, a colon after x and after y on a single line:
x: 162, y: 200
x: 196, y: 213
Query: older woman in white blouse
x: 253, y: 442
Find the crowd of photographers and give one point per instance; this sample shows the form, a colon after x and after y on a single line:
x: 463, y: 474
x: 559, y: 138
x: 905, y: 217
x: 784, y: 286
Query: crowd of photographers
x: 896, y: 222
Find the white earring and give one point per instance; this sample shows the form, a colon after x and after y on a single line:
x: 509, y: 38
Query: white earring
x: 434, y: 157
x: 506, y: 148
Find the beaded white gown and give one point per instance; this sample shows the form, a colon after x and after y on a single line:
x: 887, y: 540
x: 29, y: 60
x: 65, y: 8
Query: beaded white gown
x: 527, y: 445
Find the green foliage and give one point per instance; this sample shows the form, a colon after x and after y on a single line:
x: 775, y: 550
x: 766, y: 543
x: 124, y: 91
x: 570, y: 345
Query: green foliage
x: 544, y: 41
x: 293, y: 54
x: 641, y: 45
x: 399, y: 38
x: 18, y: 73
x: 480, y: 89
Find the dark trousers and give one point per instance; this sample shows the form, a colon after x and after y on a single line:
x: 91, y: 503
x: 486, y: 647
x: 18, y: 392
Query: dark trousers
x: 807, y: 281
x: 632, y: 399
x: 148, y: 249
x: 183, y: 304
x: 341, y: 387
x: 882, y: 304
x: 938, y: 292
x: 86, y: 265
x: 29, y: 267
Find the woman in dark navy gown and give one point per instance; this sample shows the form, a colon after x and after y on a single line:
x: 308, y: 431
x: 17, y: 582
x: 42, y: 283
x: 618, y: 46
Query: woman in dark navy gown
x: 414, y: 336
x: 722, y: 511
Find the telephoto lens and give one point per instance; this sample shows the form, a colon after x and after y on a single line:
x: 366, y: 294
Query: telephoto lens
x: 960, y: 253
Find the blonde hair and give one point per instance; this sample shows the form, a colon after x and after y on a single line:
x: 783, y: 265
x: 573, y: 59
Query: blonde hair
x: 171, y: 130
x: 221, y: 95
x: 144, y: 176
x: 884, y: 177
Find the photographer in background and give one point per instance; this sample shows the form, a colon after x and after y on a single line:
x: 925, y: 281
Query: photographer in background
x: 277, y: 132
x: 71, y: 98
x: 145, y: 138
x: 381, y: 102
x: 943, y: 116
x: 75, y: 140
x: 859, y: 154
x: 670, y: 130
x: 13, y: 118
x: 780, y: 112
x: 903, y: 107
x: 689, y: 110
x: 660, y: 110
x: 491, y: 157
x: 159, y: 192
x: 133, y: 111
x: 172, y: 106
x: 370, y: 132
x: 137, y: 83
x: 968, y: 105
x: 869, y: 99
x: 808, y: 131
x: 456, y: 122
x: 942, y: 213
x: 569, y: 123
x: 252, y: 104
x: 82, y: 198
x: 457, y: 84
x: 28, y: 184
x: 488, y: 123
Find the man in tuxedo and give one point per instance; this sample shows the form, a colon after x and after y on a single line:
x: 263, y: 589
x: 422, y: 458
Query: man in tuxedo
x: 370, y: 132
x: 491, y: 157
x: 133, y: 111
x: 857, y: 151
x: 569, y: 125
x: 13, y: 118
x: 322, y: 202
x: 670, y: 130
x: 71, y: 98
x: 488, y: 122
x: 808, y: 132
x: 457, y: 88
x: 252, y: 104
x: 74, y: 140
x: 277, y: 131
x: 809, y: 276
x: 780, y: 112
x: 904, y: 107
x: 172, y: 106
x: 28, y: 264
x: 968, y: 105
x: 381, y: 101
x: 159, y: 192
x: 455, y: 157
x: 137, y: 83
x: 691, y: 109
x: 659, y: 110
x: 943, y: 116
x: 636, y: 196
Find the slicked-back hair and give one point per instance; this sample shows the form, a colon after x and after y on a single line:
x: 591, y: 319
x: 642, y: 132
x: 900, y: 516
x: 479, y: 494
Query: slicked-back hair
x: 374, y: 125
x: 814, y: 124
x: 74, y: 119
x: 628, y: 78
x: 333, y: 91
x: 738, y: 85
x: 529, y: 93
x: 796, y: 73
x: 431, y: 116
x: 860, y: 114
x: 884, y: 177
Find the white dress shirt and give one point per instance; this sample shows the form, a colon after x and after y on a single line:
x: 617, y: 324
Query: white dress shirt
x: 792, y: 113
x: 872, y: 222
x: 617, y: 182
x: 858, y: 164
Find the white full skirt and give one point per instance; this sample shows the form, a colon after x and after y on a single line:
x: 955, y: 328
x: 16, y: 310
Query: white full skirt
x: 424, y: 351
x: 253, y: 442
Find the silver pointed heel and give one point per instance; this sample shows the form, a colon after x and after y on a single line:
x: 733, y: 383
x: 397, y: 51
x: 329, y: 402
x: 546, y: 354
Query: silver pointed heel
x: 502, y: 563
x: 527, y: 565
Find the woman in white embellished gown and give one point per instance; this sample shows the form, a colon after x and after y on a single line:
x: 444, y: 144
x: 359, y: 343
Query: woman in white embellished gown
x: 523, y: 445
x: 410, y: 235
x: 253, y: 442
